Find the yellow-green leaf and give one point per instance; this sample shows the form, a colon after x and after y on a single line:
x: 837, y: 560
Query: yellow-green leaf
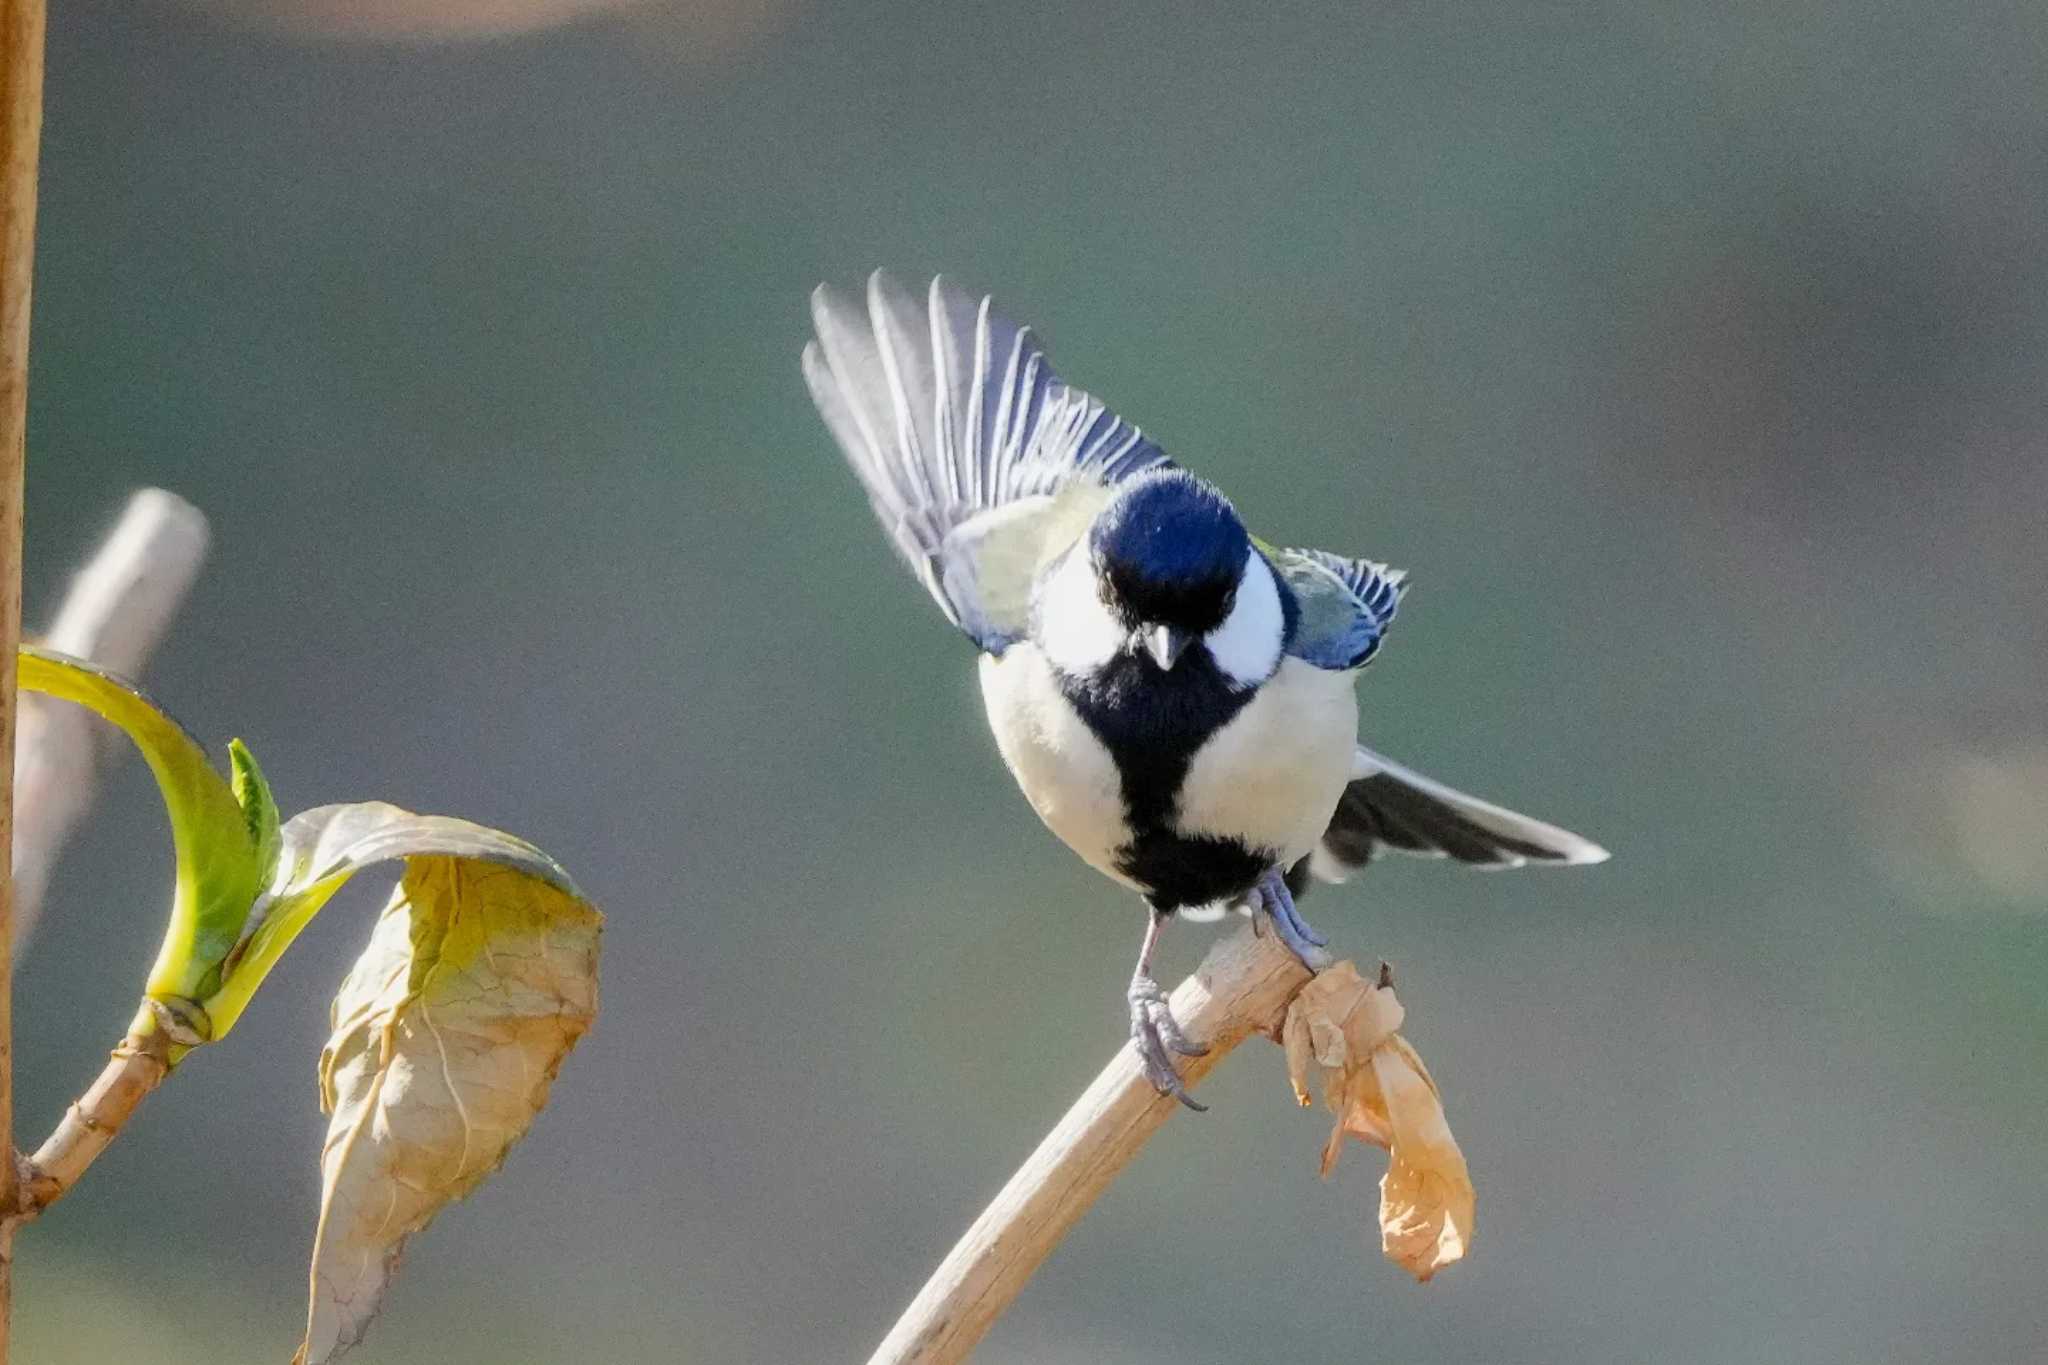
x: 218, y: 871
x: 477, y: 981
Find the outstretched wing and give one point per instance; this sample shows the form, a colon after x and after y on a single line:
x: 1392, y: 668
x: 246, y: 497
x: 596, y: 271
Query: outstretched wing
x: 980, y: 462
x: 1345, y: 605
x: 1389, y: 806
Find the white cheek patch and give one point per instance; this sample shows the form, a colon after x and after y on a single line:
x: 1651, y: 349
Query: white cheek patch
x: 1076, y: 630
x: 1247, y: 645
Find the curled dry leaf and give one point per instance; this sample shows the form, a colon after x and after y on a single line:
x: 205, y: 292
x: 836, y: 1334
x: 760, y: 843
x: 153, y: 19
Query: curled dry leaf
x: 479, y: 978
x: 1342, y: 1028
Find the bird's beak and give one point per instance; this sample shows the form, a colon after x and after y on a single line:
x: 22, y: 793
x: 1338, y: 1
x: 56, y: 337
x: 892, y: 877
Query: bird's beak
x: 1166, y: 645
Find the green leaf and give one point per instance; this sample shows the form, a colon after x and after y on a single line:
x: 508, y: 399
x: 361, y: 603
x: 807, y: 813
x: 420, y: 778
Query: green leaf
x: 480, y: 976
x: 259, y: 809
x: 218, y: 868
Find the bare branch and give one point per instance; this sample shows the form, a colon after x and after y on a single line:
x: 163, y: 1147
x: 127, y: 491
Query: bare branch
x: 115, y: 614
x: 1242, y: 987
x: 137, y: 1067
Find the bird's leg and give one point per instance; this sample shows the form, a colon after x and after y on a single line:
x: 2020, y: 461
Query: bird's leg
x: 1273, y: 898
x: 1154, y: 1032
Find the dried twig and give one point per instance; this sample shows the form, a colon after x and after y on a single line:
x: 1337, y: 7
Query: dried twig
x: 115, y: 614
x: 137, y: 1067
x: 21, y: 126
x: 1242, y: 987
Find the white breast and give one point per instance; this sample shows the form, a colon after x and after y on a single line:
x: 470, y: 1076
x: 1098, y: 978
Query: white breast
x: 1065, y: 772
x: 1273, y: 775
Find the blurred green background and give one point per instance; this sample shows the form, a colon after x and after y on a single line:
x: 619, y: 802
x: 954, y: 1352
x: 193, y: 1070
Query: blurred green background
x: 1690, y: 357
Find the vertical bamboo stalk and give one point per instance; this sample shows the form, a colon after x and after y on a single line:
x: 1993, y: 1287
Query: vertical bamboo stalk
x: 21, y: 127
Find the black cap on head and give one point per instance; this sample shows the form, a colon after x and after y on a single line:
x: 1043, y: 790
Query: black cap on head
x: 1170, y: 551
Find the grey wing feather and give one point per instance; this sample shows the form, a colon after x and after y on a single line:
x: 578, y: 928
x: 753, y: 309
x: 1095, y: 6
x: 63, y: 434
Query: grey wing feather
x: 948, y: 412
x: 1388, y: 806
x: 1344, y: 606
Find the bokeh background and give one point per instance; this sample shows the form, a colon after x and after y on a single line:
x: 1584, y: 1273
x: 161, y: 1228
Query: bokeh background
x: 1691, y: 358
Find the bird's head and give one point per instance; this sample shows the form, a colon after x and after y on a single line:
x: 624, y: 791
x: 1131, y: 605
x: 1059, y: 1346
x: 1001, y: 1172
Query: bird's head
x: 1168, y: 566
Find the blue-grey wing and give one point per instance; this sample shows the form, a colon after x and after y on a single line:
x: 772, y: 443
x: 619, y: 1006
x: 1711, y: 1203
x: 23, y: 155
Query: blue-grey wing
x: 1344, y: 606
x: 976, y: 456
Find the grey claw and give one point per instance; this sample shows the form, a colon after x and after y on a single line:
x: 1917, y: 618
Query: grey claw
x: 1271, y: 899
x: 1311, y: 951
x: 1301, y: 926
x: 1156, y: 1034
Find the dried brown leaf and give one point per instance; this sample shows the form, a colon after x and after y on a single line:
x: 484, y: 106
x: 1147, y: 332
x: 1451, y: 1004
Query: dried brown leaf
x: 1341, y: 1030
x: 478, y: 980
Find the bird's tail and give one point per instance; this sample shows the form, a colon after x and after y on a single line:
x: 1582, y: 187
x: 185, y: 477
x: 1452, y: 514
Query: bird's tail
x: 1389, y: 806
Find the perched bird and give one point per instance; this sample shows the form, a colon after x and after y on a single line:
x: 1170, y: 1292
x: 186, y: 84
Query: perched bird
x: 1175, y: 697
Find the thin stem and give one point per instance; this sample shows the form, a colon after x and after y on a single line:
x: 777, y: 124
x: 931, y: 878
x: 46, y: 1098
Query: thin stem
x: 21, y: 125
x: 1242, y: 987
x: 137, y: 1067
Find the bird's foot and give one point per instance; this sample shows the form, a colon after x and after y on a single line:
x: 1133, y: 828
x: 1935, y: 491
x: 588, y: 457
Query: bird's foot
x: 1157, y: 1035
x: 1272, y: 899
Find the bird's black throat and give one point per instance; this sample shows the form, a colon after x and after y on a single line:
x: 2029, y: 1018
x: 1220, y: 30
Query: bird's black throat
x: 1153, y: 722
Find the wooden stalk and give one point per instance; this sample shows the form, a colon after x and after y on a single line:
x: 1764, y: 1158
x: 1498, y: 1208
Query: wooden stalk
x: 137, y: 1067
x: 21, y: 126
x: 1243, y: 987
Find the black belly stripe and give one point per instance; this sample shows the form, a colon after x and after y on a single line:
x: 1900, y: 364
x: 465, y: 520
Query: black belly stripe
x: 1153, y: 724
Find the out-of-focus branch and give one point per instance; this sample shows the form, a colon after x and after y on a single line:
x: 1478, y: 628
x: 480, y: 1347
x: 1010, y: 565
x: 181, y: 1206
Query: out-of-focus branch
x: 115, y: 614
x: 1242, y: 987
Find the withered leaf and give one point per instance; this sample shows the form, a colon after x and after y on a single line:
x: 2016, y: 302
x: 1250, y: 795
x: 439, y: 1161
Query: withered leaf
x: 1341, y: 1029
x: 479, y: 978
